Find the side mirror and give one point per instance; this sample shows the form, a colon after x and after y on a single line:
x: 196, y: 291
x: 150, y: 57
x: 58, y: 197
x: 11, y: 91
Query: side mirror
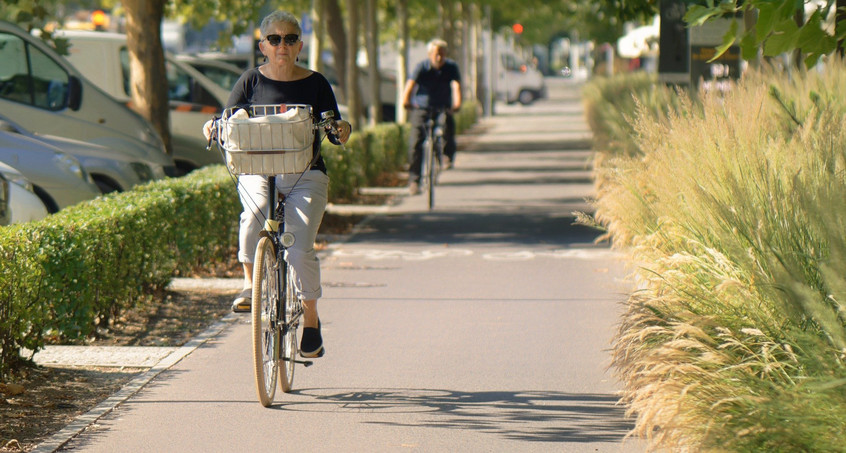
x: 74, y: 93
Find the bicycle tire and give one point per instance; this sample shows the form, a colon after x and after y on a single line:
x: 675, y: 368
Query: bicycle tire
x: 424, y: 165
x: 292, y: 309
x: 265, y: 331
x: 433, y: 175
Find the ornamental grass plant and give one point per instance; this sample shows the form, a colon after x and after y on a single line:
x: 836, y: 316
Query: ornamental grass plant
x: 733, y: 219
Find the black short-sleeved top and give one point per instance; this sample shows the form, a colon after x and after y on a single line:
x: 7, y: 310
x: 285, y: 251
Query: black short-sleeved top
x: 253, y: 88
x: 434, y: 85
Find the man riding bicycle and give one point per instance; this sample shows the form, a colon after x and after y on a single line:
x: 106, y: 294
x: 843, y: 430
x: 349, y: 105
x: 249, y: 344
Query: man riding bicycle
x: 434, y: 83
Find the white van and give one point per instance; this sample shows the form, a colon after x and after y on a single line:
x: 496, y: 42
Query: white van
x: 103, y: 58
x: 47, y: 95
x: 518, y: 81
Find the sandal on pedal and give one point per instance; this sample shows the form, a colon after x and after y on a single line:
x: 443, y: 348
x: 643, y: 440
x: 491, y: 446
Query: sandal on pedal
x: 244, y: 302
x: 311, y: 345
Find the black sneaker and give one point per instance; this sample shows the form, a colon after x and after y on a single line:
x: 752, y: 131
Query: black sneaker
x: 311, y: 345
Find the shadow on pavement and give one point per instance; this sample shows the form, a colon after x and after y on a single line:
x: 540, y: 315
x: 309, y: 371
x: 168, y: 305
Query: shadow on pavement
x: 510, y: 227
x: 531, y: 416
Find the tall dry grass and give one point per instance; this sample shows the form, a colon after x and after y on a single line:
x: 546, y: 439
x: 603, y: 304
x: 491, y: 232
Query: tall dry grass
x: 734, y: 219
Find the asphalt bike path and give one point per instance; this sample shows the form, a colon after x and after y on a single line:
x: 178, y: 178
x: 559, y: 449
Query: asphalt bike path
x: 482, y: 325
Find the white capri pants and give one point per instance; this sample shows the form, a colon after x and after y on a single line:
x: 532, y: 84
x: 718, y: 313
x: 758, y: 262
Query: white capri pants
x: 304, y: 210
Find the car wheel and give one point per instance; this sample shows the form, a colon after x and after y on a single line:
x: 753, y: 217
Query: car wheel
x: 526, y: 97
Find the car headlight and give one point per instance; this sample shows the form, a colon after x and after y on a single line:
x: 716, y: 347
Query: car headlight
x: 71, y: 165
x: 142, y: 170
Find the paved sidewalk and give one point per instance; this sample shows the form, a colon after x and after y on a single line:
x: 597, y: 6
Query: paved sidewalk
x: 483, y: 325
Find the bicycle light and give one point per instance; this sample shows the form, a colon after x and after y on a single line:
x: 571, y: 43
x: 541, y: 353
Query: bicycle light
x: 287, y: 239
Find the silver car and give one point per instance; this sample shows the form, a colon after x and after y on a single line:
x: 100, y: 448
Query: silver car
x: 57, y: 177
x: 112, y: 169
x: 18, y: 202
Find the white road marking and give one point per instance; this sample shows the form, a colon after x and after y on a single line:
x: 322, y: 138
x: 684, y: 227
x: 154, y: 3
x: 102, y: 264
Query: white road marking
x: 518, y: 255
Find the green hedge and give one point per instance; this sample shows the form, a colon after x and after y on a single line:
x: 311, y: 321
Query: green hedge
x: 67, y: 274
x: 77, y: 269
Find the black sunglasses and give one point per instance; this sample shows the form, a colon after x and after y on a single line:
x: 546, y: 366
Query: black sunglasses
x: 290, y: 39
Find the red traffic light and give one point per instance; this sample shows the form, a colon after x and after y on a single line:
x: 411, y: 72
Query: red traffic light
x: 518, y: 28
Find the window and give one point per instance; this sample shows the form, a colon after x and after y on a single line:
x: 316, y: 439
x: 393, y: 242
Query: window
x: 225, y: 78
x: 31, y: 77
x: 181, y: 87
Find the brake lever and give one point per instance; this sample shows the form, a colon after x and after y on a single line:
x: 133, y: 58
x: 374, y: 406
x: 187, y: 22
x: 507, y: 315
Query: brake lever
x: 327, y: 121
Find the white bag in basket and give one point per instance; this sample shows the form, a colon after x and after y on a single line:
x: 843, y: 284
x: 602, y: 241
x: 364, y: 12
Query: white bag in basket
x: 264, y: 132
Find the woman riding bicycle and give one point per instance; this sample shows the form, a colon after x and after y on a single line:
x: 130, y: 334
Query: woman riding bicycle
x: 281, y: 81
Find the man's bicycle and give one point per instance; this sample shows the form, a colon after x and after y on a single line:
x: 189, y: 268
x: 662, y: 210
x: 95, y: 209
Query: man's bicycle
x: 434, y: 125
x: 270, y: 140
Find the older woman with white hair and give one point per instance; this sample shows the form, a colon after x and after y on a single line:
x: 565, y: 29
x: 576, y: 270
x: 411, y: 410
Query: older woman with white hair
x: 281, y: 81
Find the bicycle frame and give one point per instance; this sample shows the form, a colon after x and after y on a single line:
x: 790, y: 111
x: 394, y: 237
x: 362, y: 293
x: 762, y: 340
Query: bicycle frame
x: 433, y: 150
x: 275, y: 230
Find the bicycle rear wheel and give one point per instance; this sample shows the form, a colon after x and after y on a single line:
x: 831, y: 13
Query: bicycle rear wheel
x: 432, y: 174
x: 288, y: 332
x: 264, y: 317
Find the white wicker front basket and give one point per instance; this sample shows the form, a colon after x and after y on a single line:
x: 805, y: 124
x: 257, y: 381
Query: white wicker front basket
x: 268, y: 140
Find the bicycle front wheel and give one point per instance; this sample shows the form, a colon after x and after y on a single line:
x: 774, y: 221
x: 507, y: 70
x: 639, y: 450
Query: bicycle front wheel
x: 293, y: 309
x: 265, y: 322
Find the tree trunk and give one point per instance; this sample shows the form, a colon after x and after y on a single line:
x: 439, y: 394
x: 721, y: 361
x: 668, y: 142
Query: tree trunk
x: 402, y: 56
x: 353, y: 93
x: 318, y: 30
x: 372, y: 33
x: 147, y: 78
x: 447, y: 24
x: 470, y: 71
x: 338, y: 35
x: 750, y: 20
x: 797, y: 55
x: 840, y: 25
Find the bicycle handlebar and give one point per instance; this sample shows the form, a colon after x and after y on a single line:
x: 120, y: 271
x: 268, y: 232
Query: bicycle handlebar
x: 327, y: 122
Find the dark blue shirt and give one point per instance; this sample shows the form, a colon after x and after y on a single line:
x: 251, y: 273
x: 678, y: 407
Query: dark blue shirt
x: 433, y: 85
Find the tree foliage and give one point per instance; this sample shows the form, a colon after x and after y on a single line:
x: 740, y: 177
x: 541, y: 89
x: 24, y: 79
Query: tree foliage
x: 781, y: 27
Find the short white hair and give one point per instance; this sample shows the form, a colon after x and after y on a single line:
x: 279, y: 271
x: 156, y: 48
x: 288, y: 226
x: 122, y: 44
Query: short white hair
x: 280, y: 17
x: 436, y: 43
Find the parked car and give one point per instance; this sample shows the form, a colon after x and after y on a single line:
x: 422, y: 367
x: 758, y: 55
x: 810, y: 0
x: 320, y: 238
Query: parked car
x: 103, y: 58
x: 220, y: 72
x: 45, y: 93
x: 518, y: 81
x: 57, y: 177
x: 18, y: 202
x: 113, y: 170
x: 387, y: 89
x: 239, y: 62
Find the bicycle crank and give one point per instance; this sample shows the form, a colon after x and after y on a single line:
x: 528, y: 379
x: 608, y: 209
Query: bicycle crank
x: 306, y: 363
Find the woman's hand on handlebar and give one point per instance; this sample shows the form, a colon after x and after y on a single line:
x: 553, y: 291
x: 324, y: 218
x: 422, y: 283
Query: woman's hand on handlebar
x: 209, y: 128
x: 342, y: 130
